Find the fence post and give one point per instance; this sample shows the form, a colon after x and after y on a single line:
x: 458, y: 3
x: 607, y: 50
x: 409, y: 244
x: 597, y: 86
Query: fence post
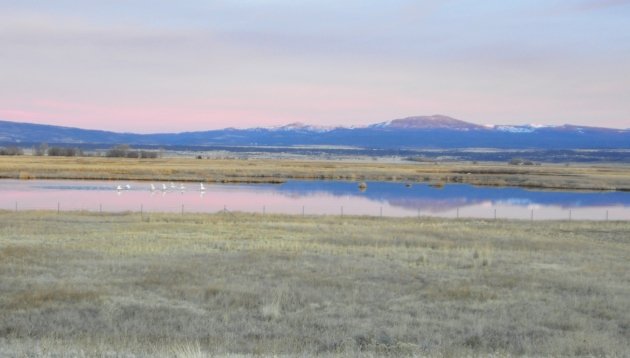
x: 302, y: 210
x: 569, y: 214
x: 458, y: 213
x: 495, y: 214
x: 58, y: 207
x: 532, y: 216
x: 182, y: 209
x: 141, y: 211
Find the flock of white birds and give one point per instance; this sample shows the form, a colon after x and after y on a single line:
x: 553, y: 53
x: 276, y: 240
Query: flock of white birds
x: 164, y: 188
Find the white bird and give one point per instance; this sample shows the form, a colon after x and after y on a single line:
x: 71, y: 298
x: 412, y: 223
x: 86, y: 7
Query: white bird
x: 164, y: 187
x: 127, y: 187
x: 201, y: 187
x: 172, y: 185
x: 152, y: 187
x: 119, y: 188
x: 182, y: 187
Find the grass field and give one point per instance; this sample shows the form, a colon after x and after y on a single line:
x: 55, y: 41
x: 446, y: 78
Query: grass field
x: 80, y: 284
x: 587, y: 177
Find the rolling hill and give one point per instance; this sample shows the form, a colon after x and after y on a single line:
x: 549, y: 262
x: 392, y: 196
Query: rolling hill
x: 437, y: 131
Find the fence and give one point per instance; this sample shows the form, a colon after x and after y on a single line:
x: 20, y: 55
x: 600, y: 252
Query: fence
x: 459, y: 212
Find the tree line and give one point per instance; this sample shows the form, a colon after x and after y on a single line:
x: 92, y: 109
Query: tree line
x: 124, y: 151
x: 119, y: 151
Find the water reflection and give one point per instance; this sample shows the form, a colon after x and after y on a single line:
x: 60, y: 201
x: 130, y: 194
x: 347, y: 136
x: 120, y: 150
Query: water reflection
x: 425, y: 197
x: 316, y: 197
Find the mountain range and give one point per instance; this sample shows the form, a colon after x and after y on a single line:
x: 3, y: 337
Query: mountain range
x: 436, y: 131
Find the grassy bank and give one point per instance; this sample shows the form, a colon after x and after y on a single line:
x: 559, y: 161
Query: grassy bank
x: 79, y: 284
x: 609, y: 177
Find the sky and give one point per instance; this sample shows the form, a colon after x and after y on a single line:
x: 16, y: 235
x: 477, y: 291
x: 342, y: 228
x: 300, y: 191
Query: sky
x: 170, y: 66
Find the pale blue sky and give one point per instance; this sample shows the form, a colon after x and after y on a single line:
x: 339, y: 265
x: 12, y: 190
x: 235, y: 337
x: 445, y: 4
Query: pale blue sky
x: 156, y: 65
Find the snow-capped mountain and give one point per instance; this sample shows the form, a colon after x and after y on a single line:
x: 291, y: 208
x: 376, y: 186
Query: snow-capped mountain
x: 435, y: 121
x: 301, y: 127
x: 436, y: 131
x: 527, y: 128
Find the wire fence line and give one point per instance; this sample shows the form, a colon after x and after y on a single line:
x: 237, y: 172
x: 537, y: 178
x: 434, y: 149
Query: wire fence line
x: 456, y: 213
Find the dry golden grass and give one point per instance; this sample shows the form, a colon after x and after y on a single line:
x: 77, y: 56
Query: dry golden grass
x: 86, y: 284
x: 611, y: 177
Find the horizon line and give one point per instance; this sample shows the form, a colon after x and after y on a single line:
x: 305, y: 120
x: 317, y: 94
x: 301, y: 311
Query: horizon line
x: 305, y: 124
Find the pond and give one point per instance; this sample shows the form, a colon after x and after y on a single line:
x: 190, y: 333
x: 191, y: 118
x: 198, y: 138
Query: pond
x: 315, y: 198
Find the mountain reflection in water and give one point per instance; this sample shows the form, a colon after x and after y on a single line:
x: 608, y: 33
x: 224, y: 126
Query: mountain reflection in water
x: 315, y: 198
x: 427, y: 198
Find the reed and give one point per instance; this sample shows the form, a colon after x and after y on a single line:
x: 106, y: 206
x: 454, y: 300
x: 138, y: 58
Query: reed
x: 609, y: 177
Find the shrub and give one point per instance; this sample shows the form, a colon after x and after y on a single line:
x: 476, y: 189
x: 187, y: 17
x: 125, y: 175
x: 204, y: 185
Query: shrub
x: 520, y: 161
x: 25, y: 176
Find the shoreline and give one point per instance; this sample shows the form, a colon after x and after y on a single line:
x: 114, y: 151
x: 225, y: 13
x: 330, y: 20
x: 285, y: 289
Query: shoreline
x: 546, y: 177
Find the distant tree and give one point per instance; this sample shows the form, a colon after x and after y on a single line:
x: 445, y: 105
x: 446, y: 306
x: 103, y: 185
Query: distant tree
x: 64, y: 152
x: 11, y: 151
x: 54, y: 151
x: 147, y: 154
x: 125, y: 151
x: 119, y: 151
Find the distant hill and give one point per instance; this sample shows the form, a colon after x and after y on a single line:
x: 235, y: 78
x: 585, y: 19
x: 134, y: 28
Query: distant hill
x: 437, y: 131
x: 427, y: 123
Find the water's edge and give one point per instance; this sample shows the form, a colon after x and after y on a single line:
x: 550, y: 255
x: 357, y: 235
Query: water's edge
x: 315, y: 197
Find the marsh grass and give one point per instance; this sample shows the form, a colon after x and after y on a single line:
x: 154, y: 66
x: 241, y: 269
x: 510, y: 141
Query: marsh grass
x: 587, y: 177
x: 88, y: 284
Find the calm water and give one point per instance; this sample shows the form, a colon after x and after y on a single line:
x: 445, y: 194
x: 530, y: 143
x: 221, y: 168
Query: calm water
x: 316, y: 197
